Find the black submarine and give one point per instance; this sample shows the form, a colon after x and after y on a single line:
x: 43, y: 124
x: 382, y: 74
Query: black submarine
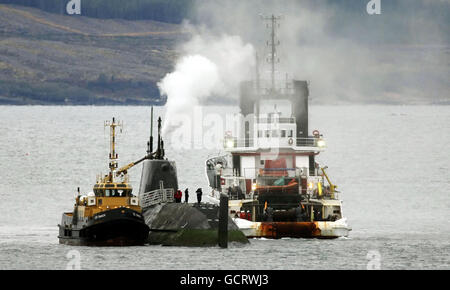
x: 178, y: 224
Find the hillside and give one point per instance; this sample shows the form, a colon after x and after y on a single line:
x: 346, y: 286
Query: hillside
x: 47, y: 58
x: 170, y: 11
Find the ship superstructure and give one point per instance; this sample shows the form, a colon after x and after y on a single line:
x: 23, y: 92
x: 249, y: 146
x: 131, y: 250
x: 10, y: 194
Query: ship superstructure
x: 276, y: 187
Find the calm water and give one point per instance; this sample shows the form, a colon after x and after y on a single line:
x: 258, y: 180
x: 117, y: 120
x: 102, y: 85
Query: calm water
x: 392, y: 164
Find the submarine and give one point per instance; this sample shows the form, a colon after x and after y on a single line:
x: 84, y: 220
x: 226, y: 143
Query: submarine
x: 178, y: 224
x: 110, y: 215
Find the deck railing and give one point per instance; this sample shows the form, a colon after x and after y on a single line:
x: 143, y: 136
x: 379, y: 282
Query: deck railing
x: 156, y: 196
x: 282, y: 120
x: 268, y: 142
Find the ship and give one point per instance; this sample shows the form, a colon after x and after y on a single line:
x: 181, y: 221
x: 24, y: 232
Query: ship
x: 174, y: 223
x: 109, y: 215
x: 269, y: 169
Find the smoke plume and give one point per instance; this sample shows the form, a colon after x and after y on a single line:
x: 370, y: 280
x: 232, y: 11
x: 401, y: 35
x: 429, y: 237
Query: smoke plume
x: 208, y: 69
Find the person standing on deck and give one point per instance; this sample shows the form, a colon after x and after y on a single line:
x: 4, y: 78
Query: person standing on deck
x: 186, y: 195
x: 199, y: 195
x: 177, y: 196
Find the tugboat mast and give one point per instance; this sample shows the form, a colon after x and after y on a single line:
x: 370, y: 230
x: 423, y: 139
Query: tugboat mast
x: 113, y: 156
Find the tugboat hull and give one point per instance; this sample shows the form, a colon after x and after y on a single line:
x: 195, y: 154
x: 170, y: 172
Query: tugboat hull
x: 117, y: 227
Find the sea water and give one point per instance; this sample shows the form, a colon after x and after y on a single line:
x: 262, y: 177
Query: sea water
x: 391, y: 165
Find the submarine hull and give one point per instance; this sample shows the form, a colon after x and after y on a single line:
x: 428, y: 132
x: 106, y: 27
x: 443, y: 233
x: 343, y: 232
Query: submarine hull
x: 116, y: 227
x: 188, y: 225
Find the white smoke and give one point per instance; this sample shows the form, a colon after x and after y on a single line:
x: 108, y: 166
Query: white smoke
x: 209, y: 68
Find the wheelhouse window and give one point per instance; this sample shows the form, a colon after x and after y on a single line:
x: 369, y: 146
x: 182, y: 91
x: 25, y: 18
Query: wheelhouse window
x: 122, y: 192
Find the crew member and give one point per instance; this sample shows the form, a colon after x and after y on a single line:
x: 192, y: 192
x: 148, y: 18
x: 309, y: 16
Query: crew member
x: 199, y: 195
x: 177, y: 196
x: 186, y: 195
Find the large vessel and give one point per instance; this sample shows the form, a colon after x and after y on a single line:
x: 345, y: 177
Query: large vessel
x: 110, y: 215
x: 275, y: 186
x: 174, y: 223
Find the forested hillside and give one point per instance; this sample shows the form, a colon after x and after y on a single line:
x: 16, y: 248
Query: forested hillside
x: 171, y: 11
x: 46, y: 58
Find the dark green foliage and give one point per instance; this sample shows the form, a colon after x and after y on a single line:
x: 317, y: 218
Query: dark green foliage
x: 49, y: 93
x: 30, y: 73
x: 46, y: 93
x: 171, y: 11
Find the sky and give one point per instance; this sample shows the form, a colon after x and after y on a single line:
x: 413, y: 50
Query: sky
x: 400, y: 56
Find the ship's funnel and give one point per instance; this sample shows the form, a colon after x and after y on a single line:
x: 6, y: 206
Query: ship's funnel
x: 248, y: 98
x: 300, y: 106
x: 249, y: 102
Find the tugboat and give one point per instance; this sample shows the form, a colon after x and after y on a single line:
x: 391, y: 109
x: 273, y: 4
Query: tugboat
x: 110, y: 215
x: 275, y: 186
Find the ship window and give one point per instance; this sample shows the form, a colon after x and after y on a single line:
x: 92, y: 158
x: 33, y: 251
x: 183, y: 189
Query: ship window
x: 121, y: 192
x: 100, y: 201
x: 283, y: 133
x: 290, y: 133
x: 267, y: 133
x: 259, y: 133
x: 107, y: 192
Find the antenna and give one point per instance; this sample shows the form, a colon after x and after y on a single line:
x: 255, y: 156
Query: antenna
x: 150, y: 143
x: 160, y: 149
x: 273, y: 43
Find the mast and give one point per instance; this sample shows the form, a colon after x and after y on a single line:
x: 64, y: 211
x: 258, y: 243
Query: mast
x: 113, y: 156
x: 150, y: 143
x: 160, y: 149
x: 273, y: 44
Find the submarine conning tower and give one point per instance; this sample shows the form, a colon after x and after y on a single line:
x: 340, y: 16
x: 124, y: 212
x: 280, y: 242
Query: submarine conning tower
x: 158, y: 174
